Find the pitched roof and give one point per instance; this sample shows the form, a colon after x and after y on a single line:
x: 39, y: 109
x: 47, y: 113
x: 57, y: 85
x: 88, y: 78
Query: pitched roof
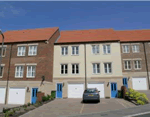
x: 134, y: 35
x: 87, y: 35
x: 28, y: 35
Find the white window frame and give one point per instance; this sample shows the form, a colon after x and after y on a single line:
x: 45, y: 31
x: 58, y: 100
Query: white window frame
x: 135, y: 48
x: 137, y: 64
x: 22, y: 51
x: 96, y: 64
x: 108, y: 67
x: 96, y: 49
x: 2, y: 65
x: 75, y: 51
x: 75, y: 68
x: 32, y: 50
x: 127, y: 65
x: 31, y: 71
x: 3, y: 51
x: 106, y: 45
x: 125, y: 49
x: 64, y: 69
x: 65, y: 50
x: 19, y: 76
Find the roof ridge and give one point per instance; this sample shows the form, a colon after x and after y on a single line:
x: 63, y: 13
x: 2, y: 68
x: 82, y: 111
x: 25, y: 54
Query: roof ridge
x: 87, y: 29
x: 31, y: 29
x: 132, y: 30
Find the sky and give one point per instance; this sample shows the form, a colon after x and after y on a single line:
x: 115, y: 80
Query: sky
x: 75, y: 15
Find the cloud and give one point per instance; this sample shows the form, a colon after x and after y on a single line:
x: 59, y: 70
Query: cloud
x: 7, y: 9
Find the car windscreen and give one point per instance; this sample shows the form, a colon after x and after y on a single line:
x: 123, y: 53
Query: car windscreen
x: 90, y: 91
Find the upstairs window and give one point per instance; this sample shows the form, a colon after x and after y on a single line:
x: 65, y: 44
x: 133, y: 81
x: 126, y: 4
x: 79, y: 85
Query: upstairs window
x: 137, y: 64
x: 31, y: 71
x: 135, y: 48
x: 21, y: 51
x: 96, y: 68
x: 108, y: 67
x: 32, y: 50
x: 127, y: 65
x: 106, y: 49
x: 126, y: 48
x: 95, y: 49
x: 1, y: 71
x: 75, y: 50
x: 19, y: 71
x: 75, y: 68
x: 64, y: 50
x: 64, y: 69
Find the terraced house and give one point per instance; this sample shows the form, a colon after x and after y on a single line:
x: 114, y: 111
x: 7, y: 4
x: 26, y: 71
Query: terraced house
x: 70, y: 61
x: 27, y: 61
x: 87, y: 58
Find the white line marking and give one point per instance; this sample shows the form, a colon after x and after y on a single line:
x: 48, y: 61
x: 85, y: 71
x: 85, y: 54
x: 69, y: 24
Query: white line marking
x: 138, y: 114
x: 121, y: 104
x: 82, y: 108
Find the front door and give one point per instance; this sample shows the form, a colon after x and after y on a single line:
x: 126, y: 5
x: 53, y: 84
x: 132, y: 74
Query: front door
x: 114, y: 91
x: 59, y: 90
x: 34, y: 95
x: 125, y: 82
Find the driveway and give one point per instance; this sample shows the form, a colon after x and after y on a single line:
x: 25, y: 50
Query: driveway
x: 66, y: 107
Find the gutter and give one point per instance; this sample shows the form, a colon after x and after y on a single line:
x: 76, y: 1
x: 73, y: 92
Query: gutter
x: 146, y: 62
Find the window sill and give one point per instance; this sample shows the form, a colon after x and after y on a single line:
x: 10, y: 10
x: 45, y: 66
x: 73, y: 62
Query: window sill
x: 64, y: 55
x: 107, y: 54
x: 32, y: 55
x: 137, y: 69
x: 96, y: 73
x: 127, y: 69
x: 75, y: 55
x: 18, y: 77
x: 1, y: 76
x: 125, y: 52
x: 75, y: 74
x: 21, y: 55
x: 30, y: 77
x: 108, y: 73
x: 96, y: 53
x: 63, y: 74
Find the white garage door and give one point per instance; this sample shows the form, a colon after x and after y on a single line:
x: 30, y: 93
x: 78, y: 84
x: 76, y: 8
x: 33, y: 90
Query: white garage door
x: 2, y: 95
x: 139, y: 83
x: 99, y: 86
x: 75, y: 90
x: 16, y: 96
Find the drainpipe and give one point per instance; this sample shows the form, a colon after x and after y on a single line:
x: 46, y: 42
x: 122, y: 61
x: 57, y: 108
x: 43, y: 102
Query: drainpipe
x: 146, y: 62
x: 85, y: 66
x: 8, y: 74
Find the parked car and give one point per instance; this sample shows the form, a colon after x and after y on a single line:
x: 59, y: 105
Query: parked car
x: 91, y: 94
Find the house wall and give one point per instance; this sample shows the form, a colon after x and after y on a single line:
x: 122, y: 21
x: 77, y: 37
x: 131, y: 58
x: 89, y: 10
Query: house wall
x: 114, y: 57
x: 134, y: 56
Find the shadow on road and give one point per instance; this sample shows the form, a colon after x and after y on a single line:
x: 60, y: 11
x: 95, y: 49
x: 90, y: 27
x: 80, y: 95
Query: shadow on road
x: 89, y: 102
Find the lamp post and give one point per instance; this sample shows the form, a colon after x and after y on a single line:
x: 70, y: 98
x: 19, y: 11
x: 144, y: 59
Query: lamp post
x: 1, y: 49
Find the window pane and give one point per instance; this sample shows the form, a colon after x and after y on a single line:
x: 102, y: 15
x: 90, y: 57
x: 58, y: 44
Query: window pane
x: 93, y: 49
x: 97, y: 48
x: 62, y: 50
x: 108, y: 48
x: 104, y: 49
x: 73, y: 69
x: 105, y: 67
x: 1, y: 70
x: 77, y: 69
x: 73, y: 50
x: 66, y: 69
x: 66, y: 50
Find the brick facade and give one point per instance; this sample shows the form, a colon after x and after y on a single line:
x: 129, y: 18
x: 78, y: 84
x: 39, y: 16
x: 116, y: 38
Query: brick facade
x: 43, y: 59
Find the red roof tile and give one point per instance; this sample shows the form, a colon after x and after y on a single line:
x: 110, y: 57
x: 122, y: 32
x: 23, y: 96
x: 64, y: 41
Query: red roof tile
x: 87, y: 35
x: 134, y: 35
x: 28, y: 35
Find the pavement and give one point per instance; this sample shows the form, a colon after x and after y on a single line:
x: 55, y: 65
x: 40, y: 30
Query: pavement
x: 7, y: 106
x: 69, y: 107
x: 138, y: 111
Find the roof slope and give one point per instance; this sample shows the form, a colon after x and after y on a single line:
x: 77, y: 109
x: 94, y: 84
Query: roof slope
x: 28, y: 35
x: 134, y: 35
x: 87, y: 35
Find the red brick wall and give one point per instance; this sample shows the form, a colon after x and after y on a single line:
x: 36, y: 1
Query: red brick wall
x: 44, y: 60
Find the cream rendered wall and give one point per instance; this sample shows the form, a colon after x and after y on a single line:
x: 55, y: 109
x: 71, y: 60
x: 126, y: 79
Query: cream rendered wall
x: 114, y: 57
x: 68, y: 59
